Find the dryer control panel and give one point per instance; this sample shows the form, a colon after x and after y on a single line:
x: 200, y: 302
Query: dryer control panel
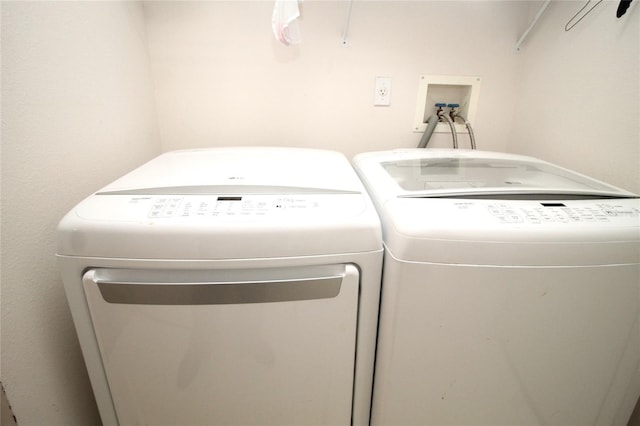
x: 217, y: 207
x: 230, y: 206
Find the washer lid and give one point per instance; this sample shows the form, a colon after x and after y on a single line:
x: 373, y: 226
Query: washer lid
x: 464, y: 177
x: 468, y: 174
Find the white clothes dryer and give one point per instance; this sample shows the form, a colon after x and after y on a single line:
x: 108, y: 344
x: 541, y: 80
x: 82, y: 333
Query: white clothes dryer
x: 227, y: 286
x: 510, y: 295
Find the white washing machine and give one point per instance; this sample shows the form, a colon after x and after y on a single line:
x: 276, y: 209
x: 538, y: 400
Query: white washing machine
x: 227, y: 286
x: 510, y: 294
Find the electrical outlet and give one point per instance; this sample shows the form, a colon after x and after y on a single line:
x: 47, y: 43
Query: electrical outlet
x: 382, y: 95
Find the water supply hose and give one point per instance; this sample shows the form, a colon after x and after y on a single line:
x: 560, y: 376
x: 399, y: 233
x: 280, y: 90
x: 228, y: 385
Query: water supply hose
x: 455, y: 114
x: 432, y: 122
x: 472, y: 137
x: 454, y: 135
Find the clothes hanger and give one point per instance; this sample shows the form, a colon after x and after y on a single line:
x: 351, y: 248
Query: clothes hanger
x: 570, y: 24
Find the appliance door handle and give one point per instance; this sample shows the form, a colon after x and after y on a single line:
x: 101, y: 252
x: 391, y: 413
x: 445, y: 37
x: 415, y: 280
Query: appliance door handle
x: 225, y: 292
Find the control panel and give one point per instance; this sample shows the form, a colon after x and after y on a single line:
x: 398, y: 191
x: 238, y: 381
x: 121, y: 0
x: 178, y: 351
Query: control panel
x: 549, y: 212
x: 231, y: 206
x: 221, y: 207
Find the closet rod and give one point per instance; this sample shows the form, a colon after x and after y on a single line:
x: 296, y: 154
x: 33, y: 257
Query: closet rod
x: 345, y: 34
x: 533, y: 24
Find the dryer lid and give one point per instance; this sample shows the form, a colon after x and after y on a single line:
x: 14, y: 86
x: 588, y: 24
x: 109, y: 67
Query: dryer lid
x: 227, y: 203
x: 241, y: 170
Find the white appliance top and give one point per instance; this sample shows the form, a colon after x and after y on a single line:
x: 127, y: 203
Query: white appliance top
x: 257, y: 170
x: 467, y: 206
x: 227, y: 203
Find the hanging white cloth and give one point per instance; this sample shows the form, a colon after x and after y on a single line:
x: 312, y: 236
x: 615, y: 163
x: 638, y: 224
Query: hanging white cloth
x: 283, y: 22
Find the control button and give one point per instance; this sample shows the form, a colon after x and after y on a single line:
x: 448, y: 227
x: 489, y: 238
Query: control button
x: 505, y: 213
x: 533, y: 219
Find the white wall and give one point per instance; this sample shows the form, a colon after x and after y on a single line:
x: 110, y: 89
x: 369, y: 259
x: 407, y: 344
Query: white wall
x: 569, y: 97
x: 579, y: 93
x: 220, y: 78
x: 76, y: 112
